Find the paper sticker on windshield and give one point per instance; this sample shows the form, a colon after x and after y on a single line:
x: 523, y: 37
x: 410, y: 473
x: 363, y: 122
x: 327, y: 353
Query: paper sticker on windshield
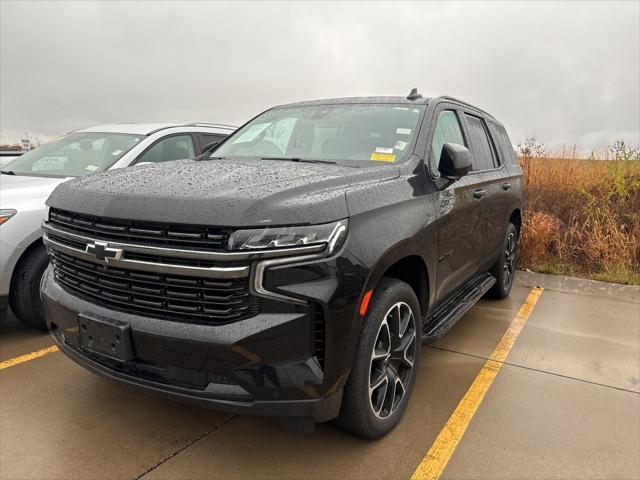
x: 400, y: 145
x: 93, y: 168
x: 403, y: 131
x: 384, y: 150
x: 383, y: 157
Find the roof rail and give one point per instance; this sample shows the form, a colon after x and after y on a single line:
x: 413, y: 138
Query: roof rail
x: 208, y: 124
x: 466, y: 104
x: 160, y: 129
x: 192, y: 124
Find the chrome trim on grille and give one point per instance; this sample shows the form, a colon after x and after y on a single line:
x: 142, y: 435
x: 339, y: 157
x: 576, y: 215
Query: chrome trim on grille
x: 208, y: 272
x: 191, y: 254
x: 268, y: 258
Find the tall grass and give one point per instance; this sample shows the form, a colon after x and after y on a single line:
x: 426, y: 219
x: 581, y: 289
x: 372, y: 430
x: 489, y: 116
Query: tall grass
x: 582, y: 217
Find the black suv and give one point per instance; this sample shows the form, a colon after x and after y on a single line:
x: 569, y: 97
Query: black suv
x: 298, y: 270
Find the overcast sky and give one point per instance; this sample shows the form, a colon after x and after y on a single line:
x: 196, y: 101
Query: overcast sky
x: 563, y: 72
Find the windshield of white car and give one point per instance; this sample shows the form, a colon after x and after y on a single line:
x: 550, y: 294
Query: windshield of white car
x: 346, y: 134
x: 74, y: 155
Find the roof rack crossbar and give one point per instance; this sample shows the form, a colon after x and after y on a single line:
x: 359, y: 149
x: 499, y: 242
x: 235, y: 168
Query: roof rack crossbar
x: 466, y: 104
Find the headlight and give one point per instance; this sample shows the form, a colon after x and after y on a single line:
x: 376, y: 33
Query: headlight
x: 331, y: 234
x: 6, y: 214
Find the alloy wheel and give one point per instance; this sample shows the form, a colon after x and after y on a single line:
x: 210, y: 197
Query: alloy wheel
x: 392, y: 360
x: 509, y: 266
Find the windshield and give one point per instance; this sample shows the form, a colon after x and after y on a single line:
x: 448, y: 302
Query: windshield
x: 74, y: 155
x: 345, y: 134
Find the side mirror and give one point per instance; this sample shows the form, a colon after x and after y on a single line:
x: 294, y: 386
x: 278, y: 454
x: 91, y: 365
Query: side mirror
x: 455, y: 162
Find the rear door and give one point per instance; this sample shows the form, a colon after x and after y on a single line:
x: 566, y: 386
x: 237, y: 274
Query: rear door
x: 459, y: 217
x: 486, y: 176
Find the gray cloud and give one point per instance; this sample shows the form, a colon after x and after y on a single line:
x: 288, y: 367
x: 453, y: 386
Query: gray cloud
x: 564, y: 72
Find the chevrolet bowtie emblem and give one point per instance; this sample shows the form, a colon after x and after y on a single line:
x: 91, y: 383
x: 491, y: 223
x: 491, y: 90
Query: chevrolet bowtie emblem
x: 102, y: 252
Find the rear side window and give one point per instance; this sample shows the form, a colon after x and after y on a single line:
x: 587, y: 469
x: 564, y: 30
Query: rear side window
x: 501, y: 139
x: 483, y: 154
x: 207, y: 139
x: 176, y: 147
x: 447, y: 131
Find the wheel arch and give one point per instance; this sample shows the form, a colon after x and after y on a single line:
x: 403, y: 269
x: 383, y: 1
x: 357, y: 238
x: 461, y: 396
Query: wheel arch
x: 516, y: 219
x: 409, y: 267
x: 37, y: 243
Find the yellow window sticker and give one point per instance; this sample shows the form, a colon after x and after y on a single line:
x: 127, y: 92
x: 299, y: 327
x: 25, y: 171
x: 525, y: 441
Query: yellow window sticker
x: 383, y: 157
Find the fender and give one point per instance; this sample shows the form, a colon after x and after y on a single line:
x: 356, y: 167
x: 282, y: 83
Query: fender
x: 404, y: 250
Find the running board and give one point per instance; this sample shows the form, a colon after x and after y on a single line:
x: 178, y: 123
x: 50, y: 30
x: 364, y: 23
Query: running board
x: 447, y: 314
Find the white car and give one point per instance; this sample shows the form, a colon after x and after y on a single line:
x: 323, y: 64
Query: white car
x: 27, y: 181
x: 8, y: 156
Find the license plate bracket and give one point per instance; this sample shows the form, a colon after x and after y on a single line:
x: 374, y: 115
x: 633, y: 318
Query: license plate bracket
x: 111, y: 338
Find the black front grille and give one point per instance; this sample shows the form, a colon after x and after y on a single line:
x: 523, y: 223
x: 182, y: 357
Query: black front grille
x: 144, y: 233
x: 200, y: 300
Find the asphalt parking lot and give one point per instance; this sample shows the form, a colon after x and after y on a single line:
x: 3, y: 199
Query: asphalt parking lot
x: 564, y: 404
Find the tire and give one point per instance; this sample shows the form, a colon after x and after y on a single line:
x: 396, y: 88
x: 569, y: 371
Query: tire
x: 373, y: 415
x: 505, y: 267
x: 24, y: 292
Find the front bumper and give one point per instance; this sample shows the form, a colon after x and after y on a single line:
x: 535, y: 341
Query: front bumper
x: 263, y: 365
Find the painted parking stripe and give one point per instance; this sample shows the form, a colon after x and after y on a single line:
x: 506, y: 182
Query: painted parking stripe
x: 29, y: 356
x: 436, y: 459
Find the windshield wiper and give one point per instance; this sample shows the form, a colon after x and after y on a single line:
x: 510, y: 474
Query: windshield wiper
x: 7, y: 172
x: 298, y: 159
x: 204, y: 157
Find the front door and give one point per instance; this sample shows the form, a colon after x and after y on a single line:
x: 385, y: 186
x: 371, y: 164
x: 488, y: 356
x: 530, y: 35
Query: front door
x: 460, y: 218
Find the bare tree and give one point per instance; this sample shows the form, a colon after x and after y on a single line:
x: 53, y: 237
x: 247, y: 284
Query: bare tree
x: 531, y: 148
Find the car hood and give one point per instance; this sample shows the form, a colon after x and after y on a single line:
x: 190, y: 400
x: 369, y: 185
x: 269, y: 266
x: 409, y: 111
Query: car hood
x: 220, y: 192
x: 18, y: 190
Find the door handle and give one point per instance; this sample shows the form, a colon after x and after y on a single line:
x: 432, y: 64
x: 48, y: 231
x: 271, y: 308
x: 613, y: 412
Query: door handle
x: 481, y: 192
x: 506, y: 186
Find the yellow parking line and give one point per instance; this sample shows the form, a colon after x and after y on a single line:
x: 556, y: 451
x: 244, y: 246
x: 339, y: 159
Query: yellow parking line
x: 436, y: 459
x: 29, y: 356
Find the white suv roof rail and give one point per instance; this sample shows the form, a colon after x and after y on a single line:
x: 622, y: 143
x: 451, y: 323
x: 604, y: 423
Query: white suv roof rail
x: 208, y: 124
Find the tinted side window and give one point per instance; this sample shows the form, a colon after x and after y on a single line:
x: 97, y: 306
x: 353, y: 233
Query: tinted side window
x: 447, y: 131
x: 501, y: 138
x: 176, y: 147
x: 481, y: 148
x: 206, y: 139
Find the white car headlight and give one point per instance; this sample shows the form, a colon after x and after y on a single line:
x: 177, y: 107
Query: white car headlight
x: 6, y: 214
x: 331, y: 234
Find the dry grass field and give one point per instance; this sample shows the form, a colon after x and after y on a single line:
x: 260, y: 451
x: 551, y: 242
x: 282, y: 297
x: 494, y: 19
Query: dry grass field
x: 582, y: 218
